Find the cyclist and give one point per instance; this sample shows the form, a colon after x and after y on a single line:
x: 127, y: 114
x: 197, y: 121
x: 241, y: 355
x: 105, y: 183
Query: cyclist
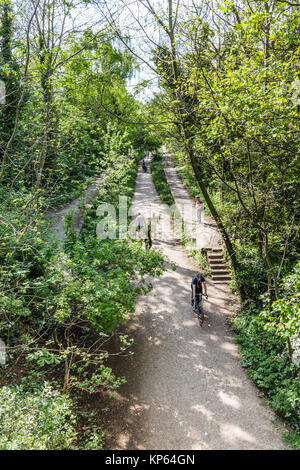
x: 196, y: 285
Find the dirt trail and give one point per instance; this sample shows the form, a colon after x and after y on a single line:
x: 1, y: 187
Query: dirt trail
x: 56, y: 218
x: 186, y: 389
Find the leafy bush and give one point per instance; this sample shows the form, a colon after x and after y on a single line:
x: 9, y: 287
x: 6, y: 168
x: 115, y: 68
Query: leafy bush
x: 251, y: 271
x: 287, y: 401
x: 266, y: 359
x: 284, y: 319
x: 39, y: 420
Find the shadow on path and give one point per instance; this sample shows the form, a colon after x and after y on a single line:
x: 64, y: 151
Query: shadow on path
x: 185, y: 387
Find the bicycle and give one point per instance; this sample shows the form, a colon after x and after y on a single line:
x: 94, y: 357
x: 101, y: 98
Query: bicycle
x: 198, y: 308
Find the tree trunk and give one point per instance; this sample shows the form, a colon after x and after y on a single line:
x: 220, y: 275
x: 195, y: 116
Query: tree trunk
x: 213, y: 210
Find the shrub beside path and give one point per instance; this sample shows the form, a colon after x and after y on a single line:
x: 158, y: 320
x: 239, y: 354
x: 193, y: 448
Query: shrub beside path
x: 185, y: 386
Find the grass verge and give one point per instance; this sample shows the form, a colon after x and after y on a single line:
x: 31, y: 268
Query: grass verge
x: 160, y: 180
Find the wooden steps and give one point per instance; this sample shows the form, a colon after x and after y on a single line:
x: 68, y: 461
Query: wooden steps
x: 220, y: 271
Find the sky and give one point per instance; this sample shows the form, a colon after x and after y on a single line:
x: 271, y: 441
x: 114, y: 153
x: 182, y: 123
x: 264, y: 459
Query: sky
x: 134, y: 20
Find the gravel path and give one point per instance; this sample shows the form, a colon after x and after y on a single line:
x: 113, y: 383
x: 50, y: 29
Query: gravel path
x: 56, y: 217
x: 185, y: 387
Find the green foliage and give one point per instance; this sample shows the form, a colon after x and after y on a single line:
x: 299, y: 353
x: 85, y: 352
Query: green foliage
x: 267, y: 362
x: 63, y: 308
x: 234, y: 91
x: 251, y: 273
x: 238, y: 108
x: 284, y: 318
x: 293, y: 439
x: 103, y: 270
x: 200, y: 257
x: 39, y: 420
x: 262, y: 338
x: 159, y: 179
x: 28, y: 278
x: 101, y: 282
x: 185, y: 172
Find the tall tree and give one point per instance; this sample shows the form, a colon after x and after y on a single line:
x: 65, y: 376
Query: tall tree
x: 9, y: 73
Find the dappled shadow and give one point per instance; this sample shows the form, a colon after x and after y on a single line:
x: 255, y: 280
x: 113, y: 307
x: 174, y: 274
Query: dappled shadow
x: 185, y: 388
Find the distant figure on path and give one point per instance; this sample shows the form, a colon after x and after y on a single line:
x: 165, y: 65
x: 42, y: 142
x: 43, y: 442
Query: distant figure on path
x: 199, y: 209
x: 148, y: 241
x: 141, y: 227
x: 139, y: 221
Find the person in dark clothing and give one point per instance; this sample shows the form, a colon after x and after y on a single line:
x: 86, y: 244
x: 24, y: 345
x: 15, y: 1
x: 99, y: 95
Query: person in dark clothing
x: 198, y: 284
x: 149, y: 236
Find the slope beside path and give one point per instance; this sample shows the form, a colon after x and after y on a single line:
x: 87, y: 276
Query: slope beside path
x: 56, y: 217
x: 185, y: 386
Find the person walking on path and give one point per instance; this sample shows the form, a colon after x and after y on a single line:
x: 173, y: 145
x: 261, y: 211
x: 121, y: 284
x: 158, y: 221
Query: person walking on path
x: 199, y: 209
x: 139, y: 221
x: 148, y: 241
x: 141, y: 227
